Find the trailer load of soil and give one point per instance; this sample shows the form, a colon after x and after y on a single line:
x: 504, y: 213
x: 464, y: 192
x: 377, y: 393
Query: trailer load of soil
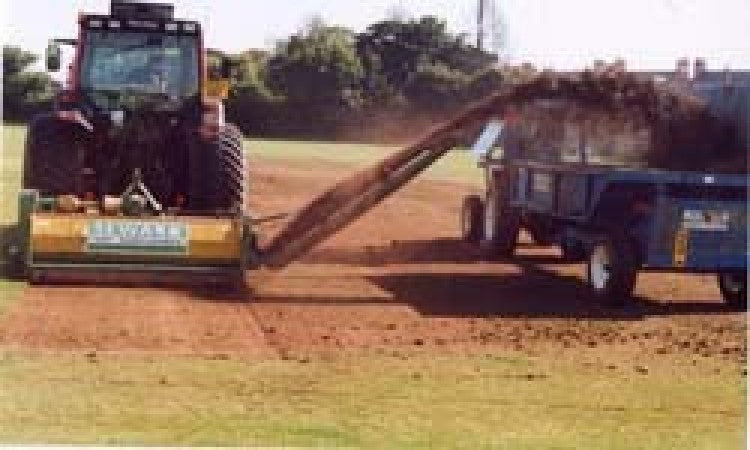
x: 666, y: 129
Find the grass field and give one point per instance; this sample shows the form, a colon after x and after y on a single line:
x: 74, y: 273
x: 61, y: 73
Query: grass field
x: 586, y: 399
x: 459, y: 166
x: 10, y: 180
x: 377, y: 401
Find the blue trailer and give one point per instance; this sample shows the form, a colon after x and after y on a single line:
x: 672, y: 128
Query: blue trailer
x: 618, y: 219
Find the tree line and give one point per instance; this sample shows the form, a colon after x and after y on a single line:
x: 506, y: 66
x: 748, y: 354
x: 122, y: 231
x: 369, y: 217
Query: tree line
x: 326, y: 81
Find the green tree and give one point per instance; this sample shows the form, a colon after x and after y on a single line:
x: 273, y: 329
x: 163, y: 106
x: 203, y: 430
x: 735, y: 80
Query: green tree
x: 24, y: 91
x: 318, y: 64
x: 397, y: 54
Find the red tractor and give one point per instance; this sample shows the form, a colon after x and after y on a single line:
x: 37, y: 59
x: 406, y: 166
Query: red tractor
x: 140, y: 99
x: 135, y: 169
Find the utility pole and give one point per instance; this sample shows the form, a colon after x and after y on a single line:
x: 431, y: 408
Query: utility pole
x: 480, y: 23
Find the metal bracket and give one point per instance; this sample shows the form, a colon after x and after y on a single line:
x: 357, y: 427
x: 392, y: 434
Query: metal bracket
x: 137, y: 184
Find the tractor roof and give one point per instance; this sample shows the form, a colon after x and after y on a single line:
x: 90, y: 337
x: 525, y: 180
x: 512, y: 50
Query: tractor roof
x: 124, y: 9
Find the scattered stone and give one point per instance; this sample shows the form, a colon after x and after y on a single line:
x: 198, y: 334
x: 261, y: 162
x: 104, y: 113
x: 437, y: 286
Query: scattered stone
x: 611, y: 366
x: 391, y: 326
x: 662, y: 351
x: 535, y: 376
x: 418, y: 341
x: 163, y: 381
x: 641, y: 369
x: 270, y: 330
x: 304, y: 360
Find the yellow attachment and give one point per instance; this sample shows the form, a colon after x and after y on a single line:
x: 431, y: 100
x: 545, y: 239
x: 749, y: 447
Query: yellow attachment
x: 61, y: 236
x: 216, y: 88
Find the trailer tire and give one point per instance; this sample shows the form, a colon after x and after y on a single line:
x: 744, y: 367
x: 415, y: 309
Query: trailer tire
x: 472, y: 219
x: 507, y: 227
x: 733, y: 286
x: 612, y: 270
x: 541, y: 233
x: 573, y: 252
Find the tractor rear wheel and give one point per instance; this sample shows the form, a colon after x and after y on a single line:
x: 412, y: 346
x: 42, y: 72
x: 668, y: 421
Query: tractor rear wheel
x: 218, y: 178
x: 53, y: 160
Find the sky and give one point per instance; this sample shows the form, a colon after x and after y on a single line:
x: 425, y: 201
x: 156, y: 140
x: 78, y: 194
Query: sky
x: 558, y: 34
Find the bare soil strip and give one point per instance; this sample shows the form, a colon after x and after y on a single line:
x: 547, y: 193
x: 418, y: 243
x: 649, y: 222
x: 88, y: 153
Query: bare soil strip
x: 396, y: 280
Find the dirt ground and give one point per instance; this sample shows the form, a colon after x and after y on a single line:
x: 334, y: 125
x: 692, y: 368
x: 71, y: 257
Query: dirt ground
x: 396, y: 281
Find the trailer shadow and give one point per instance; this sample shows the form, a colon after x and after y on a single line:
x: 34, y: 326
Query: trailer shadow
x: 444, y: 250
x: 535, y: 292
x: 525, y: 296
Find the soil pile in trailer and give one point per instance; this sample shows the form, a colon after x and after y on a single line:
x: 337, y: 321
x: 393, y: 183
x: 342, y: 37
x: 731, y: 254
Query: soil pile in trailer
x: 623, y: 118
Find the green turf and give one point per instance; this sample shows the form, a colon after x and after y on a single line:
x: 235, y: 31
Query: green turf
x: 10, y: 170
x: 368, y: 401
x: 458, y: 165
x: 11, y: 156
x: 377, y: 401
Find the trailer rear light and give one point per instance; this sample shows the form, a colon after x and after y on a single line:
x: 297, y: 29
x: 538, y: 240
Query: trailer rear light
x: 95, y: 23
x: 114, y: 24
x: 172, y: 27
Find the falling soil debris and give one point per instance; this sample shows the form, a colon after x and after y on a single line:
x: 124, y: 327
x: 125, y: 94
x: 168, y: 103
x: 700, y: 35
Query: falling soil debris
x: 645, y: 122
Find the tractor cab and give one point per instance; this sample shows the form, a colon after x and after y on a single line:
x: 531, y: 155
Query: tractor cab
x: 139, y: 54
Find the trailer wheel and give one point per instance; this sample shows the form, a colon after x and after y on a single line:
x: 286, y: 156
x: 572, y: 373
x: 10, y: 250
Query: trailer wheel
x: 507, y: 228
x: 733, y: 286
x: 472, y: 218
x: 541, y: 233
x: 573, y: 252
x: 612, y: 270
